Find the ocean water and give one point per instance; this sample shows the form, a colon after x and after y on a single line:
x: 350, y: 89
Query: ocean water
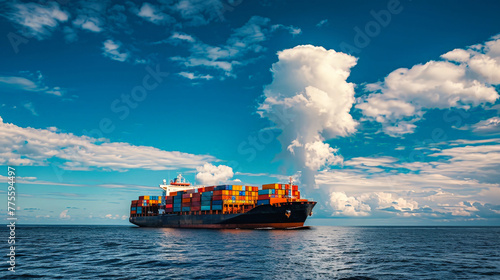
x: 126, y: 252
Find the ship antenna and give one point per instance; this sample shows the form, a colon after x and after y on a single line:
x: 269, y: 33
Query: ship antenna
x: 290, y: 190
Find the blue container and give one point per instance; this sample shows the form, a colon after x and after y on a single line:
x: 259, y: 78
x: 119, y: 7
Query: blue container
x: 216, y: 207
x: 139, y: 210
x: 177, y: 209
x: 206, y: 203
x: 262, y: 202
x: 224, y: 187
x: 184, y: 209
x: 242, y: 193
x: 133, y: 208
x: 267, y: 192
x: 205, y: 208
x: 217, y: 202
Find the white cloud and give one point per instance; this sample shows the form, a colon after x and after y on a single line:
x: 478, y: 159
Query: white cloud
x: 199, y: 12
x: 182, y: 36
x: 405, y: 94
x: 322, y: 23
x: 88, y: 23
x: 114, y: 50
x: 64, y: 214
x: 344, y: 205
x: 440, y: 187
x: 29, y: 106
x: 239, y: 49
x: 40, y: 20
x: 33, y: 82
x: 152, y: 14
x: 458, y: 55
x: 35, y: 147
x: 309, y: 88
x: 209, y: 174
x: 193, y: 76
x: 489, y: 126
x: 294, y: 31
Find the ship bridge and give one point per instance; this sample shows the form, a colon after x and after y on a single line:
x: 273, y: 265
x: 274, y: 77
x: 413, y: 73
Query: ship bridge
x: 178, y: 184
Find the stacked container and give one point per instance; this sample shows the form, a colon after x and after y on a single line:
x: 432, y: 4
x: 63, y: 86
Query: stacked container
x: 215, y: 198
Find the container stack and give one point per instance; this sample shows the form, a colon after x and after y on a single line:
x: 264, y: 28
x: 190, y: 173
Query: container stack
x: 215, y: 198
x: 275, y: 193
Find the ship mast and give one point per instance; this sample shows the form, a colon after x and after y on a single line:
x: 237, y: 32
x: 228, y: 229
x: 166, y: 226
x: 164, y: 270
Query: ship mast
x: 290, y: 190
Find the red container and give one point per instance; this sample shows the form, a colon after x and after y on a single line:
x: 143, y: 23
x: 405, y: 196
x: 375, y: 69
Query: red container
x: 217, y: 197
x: 191, y: 191
x: 141, y: 197
x: 170, y: 209
x: 186, y: 204
x: 170, y: 205
x: 186, y: 200
x: 267, y: 196
x: 200, y: 190
x: 169, y: 199
x: 196, y: 203
x: 195, y: 199
x: 209, y: 189
x: 186, y: 195
x: 217, y: 192
x: 195, y: 208
x: 173, y: 193
x: 196, y: 195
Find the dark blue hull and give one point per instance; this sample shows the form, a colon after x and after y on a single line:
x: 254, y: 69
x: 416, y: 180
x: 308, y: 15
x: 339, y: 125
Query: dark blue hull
x: 283, y: 215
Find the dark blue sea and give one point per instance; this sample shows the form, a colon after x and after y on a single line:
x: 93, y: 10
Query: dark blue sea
x: 126, y: 252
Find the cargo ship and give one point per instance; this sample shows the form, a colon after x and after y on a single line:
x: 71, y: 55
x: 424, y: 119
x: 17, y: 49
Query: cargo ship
x: 274, y: 206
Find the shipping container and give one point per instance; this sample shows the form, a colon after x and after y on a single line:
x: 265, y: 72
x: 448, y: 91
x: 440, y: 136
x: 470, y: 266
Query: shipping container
x: 217, y: 207
x: 261, y: 202
x: 271, y: 186
x: 267, y: 191
x: 205, y: 208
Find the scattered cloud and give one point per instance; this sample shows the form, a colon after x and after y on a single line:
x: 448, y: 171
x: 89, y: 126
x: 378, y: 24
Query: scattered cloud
x: 64, y: 214
x: 152, y: 14
x: 193, y: 76
x: 29, y: 106
x: 244, y: 42
x: 294, y: 31
x: 32, y: 82
x: 322, y: 23
x: 309, y: 87
x: 183, y: 37
x: 36, y: 147
x: 489, y: 126
x: 92, y: 24
x: 199, y: 12
x: 464, y: 79
x: 37, y: 20
x: 459, y: 181
x: 114, y: 50
x: 209, y: 174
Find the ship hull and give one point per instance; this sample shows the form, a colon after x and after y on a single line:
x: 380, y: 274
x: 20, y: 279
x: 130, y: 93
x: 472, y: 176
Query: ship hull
x: 263, y: 216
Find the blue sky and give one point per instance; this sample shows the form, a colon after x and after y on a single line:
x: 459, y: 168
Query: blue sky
x: 386, y: 112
